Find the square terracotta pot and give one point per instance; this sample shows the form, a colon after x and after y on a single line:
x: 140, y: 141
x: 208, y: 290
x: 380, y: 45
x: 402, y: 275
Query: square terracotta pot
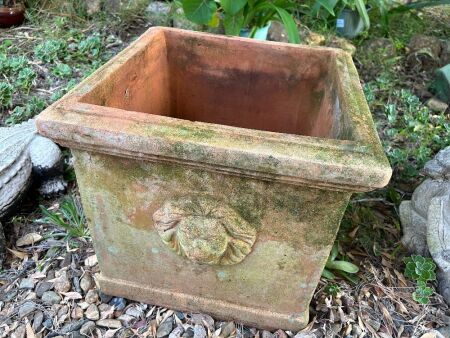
x: 214, y: 171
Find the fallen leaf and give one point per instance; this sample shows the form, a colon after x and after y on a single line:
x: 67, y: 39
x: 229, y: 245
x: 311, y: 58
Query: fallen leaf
x: 29, y: 239
x: 18, y: 254
x: 30, y: 332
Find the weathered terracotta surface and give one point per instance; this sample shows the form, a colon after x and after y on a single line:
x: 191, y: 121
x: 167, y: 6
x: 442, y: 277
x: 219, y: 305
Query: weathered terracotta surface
x: 214, y: 171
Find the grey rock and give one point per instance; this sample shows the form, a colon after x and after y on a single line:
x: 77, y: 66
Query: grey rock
x: 48, y: 323
x: 88, y: 328
x: 37, y: 320
x: 109, y: 323
x: 177, y: 332
x: 91, y: 296
x: 164, y: 328
x: 72, y: 326
x: 227, y: 330
x: 19, y: 332
x: 277, y: 32
x: 133, y: 311
x: 189, y: 333
x: 26, y: 283
x: 26, y: 308
x: 31, y: 296
x: 50, y: 297
x: 63, y: 283
x: 437, y: 105
x: 92, y: 312
x: 126, y: 319
x: 445, y: 331
x: 86, y: 282
x: 118, y: 303
x: 305, y: 335
x: 203, y: 319
x: 199, y: 331
x: 267, y: 334
x: 41, y: 287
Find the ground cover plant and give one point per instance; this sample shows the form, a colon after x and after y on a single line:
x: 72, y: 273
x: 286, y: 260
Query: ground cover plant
x: 374, y: 287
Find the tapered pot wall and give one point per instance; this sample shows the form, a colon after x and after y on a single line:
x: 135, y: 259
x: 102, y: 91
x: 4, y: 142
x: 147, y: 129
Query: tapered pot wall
x: 200, y: 202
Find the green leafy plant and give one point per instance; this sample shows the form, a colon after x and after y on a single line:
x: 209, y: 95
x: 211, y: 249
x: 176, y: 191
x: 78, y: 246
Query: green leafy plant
x: 421, y: 270
x: 6, y: 94
x: 22, y: 113
x: 62, y: 70
x: 334, y: 7
x: 69, y: 217
x: 340, y: 267
x: 332, y: 289
x: 51, y: 51
x: 90, y: 47
x: 239, y: 14
x: 25, y: 78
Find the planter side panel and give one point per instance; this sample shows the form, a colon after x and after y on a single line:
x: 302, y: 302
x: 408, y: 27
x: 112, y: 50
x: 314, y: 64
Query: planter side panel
x: 271, y: 287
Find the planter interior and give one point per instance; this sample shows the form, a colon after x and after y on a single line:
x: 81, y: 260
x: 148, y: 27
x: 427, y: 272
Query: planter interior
x: 247, y: 87
x: 214, y: 171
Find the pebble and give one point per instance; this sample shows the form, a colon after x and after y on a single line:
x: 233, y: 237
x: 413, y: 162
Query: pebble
x: 164, y: 328
x: 437, y: 105
x: 51, y: 297
x: 37, y: 320
x: 19, y: 332
x: 63, y: 284
x: 83, y: 305
x: 31, y: 296
x: 86, y: 283
x: 227, y: 330
x: 104, y: 297
x: 203, y: 319
x: 199, y: 331
x: 73, y: 326
x: 77, y: 313
x: 63, y: 311
x: 48, y: 323
x: 445, y: 331
x: 91, y: 296
x: 126, y: 319
x: 88, y: 328
x: 189, y: 333
x: 106, y: 311
x: 133, y: 311
x: 26, y: 283
x: 305, y: 335
x: 92, y: 312
x: 91, y: 261
x: 179, y: 330
x: 109, y: 323
x: 267, y: 334
x: 118, y: 303
x: 41, y: 287
x: 280, y: 334
x: 26, y: 308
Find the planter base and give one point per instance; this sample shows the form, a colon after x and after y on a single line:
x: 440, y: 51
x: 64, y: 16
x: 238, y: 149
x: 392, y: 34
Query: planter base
x: 185, y: 302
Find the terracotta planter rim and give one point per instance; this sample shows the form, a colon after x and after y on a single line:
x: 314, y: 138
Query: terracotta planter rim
x: 17, y: 8
x: 347, y: 165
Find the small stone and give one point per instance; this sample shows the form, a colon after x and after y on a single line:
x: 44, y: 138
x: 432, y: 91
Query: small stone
x: 63, y: 311
x: 87, y: 329
x: 41, y: 287
x: 179, y: 330
x: 106, y: 311
x: 118, y: 303
x: 26, y: 283
x: 72, y: 326
x: 267, y: 334
x: 126, y: 319
x: 133, y: 311
x: 29, y: 239
x: 277, y: 32
x: 31, y: 296
x: 189, y: 333
x: 305, y: 335
x: 37, y: 320
x: 83, y: 305
x: 227, y: 330
x: 91, y: 296
x: 199, y: 331
x: 445, y: 331
x: 164, y: 328
x: 280, y: 334
x: 19, y: 332
x: 63, y: 283
x: 51, y: 297
x: 374, y: 324
x: 437, y: 105
x: 91, y: 261
x: 86, y: 283
x: 109, y: 323
x: 92, y: 312
x: 104, y: 298
x: 203, y: 319
x: 77, y: 313
x: 26, y: 308
x: 48, y: 323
